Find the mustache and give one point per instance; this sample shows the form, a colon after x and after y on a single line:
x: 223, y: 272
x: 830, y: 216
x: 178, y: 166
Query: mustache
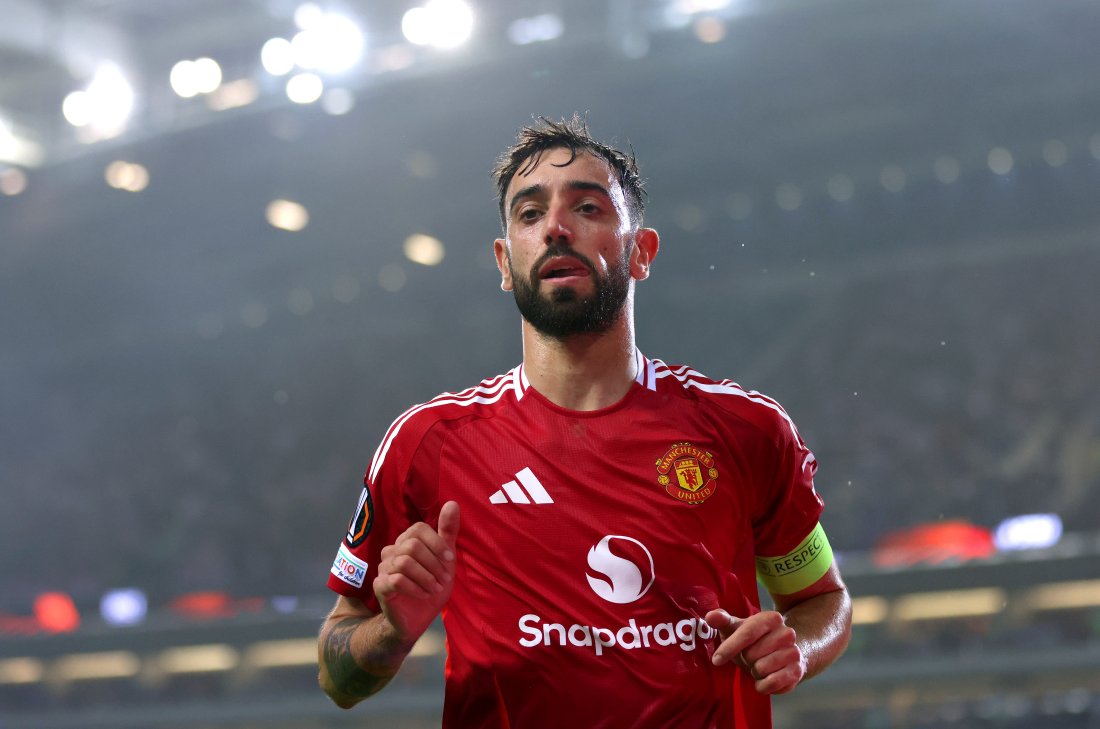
x: 556, y: 250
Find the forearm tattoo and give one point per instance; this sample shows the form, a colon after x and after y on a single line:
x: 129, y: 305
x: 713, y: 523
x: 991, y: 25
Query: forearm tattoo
x: 347, y: 676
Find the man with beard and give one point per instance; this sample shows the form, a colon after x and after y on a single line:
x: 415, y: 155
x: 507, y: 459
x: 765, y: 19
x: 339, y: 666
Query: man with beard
x: 616, y: 512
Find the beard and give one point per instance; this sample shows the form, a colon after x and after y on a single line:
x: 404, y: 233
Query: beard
x: 563, y: 312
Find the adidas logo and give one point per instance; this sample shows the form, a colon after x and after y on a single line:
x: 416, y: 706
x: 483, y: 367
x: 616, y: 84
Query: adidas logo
x: 514, y: 493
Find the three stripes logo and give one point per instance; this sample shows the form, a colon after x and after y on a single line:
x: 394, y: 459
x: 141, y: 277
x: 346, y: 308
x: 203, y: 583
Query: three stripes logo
x: 527, y: 490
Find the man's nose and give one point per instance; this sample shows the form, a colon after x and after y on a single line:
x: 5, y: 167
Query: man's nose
x: 558, y: 229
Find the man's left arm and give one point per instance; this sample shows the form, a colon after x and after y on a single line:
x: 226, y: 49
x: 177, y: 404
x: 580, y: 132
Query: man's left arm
x: 780, y: 648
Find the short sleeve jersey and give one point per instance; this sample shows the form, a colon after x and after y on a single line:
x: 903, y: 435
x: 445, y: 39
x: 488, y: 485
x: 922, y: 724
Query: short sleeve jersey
x: 592, y: 544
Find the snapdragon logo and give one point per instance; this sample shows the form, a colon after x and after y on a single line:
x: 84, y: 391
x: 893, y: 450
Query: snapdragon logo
x: 621, y: 572
x: 630, y: 636
x: 622, y: 576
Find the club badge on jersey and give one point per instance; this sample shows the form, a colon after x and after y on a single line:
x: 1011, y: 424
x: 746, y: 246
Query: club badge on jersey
x: 687, y: 473
x: 359, y: 526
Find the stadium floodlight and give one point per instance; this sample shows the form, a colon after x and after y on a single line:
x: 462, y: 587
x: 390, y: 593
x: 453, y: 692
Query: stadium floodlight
x: 536, y: 29
x: 307, y: 14
x: 208, y: 75
x: 441, y: 24
x: 105, y: 105
x: 330, y: 43
x: 424, y: 249
x: 124, y: 607
x: 16, y: 148
x: 694, y: 7
x: 304, y: 88
x: 277, y: 56
x: 190, y: 78
x: 182, y: 79
x: 1029, y: 531
x: 680, y: 13
x: 287, y: 215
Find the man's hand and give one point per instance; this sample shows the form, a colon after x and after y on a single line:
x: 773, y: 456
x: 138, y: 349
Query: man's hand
x: 764, y: 644
x: 416, y: 574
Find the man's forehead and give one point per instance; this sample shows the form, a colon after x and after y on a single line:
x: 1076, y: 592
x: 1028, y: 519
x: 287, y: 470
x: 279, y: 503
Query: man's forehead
x: 584, y: 166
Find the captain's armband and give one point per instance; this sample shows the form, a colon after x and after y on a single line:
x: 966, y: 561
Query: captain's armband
x: 798, y: 569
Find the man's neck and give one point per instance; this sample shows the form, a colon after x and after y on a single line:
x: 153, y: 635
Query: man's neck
x: 585, y: 371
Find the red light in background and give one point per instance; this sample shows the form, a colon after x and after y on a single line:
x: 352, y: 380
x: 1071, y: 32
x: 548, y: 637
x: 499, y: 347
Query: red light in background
x: 56, y: 612
x: 946, y: 541
x: 204, y: 605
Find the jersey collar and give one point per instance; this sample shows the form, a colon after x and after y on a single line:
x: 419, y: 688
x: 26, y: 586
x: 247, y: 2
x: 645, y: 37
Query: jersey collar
x: 645, y: 376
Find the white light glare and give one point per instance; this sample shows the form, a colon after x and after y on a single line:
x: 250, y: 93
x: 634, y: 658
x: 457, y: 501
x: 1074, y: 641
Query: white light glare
x: 1030, y: 531
x: 277, y: 57
x: 190, y: 78
x: 306, y: 15
x: 124, y: 607
x: 693, y: 7
x: 424, y: 249
x: 287, y: 215
x: 104, y: 105
x: 15, y: 148
x: 304, y: 88
x: 536, y: 29
x: 330, y: 43
x: 128, y: 176
x: 679, y: 13
x: 439, y: 23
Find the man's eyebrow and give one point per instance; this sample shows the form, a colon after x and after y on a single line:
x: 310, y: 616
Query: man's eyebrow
x: 529, y: 191
x: 533, y: 190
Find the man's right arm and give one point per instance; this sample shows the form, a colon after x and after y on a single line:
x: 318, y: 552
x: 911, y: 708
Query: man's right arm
x: 359, y: 651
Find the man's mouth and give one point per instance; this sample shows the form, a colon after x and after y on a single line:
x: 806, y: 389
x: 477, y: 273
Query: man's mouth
x: 561, y: 267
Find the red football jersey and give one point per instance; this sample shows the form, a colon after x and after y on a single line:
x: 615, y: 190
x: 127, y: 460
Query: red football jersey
x: 592, y: 544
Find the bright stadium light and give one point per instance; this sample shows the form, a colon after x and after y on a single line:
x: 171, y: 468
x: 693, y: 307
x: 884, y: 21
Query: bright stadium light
x: 1029, y: 531
x: 182, y: 79
x: 124, y: 607
x: 16, y: 147
x: 304, y: 88
x: 287, y: 215
x: 190, y: 78
x: 424, y: 249
x: 104, y: 106
x: 330, y: 43
x: 128, y: 176
x: 439, y: 23
x: 208, y: 75
x: 680, y: 13
x: 536, y: 29
x: 307, y: 14
x: 693, y: 7
x: 277, y: 57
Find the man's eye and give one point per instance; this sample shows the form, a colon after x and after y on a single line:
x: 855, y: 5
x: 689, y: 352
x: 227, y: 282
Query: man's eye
x: 589, y: 208
x: 528, y: 214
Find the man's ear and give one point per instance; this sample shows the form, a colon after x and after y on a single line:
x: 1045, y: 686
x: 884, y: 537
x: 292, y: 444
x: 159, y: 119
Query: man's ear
x: 646, y: 245
x: 500, y: 250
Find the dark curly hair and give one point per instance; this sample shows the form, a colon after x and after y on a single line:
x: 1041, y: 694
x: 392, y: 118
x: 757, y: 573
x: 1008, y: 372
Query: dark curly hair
x: 571, y: 134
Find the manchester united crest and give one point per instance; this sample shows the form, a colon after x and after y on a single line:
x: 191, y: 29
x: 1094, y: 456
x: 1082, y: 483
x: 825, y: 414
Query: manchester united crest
x: 687, y: 473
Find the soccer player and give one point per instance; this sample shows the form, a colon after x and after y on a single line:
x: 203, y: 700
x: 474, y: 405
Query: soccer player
x: 593, y: 523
